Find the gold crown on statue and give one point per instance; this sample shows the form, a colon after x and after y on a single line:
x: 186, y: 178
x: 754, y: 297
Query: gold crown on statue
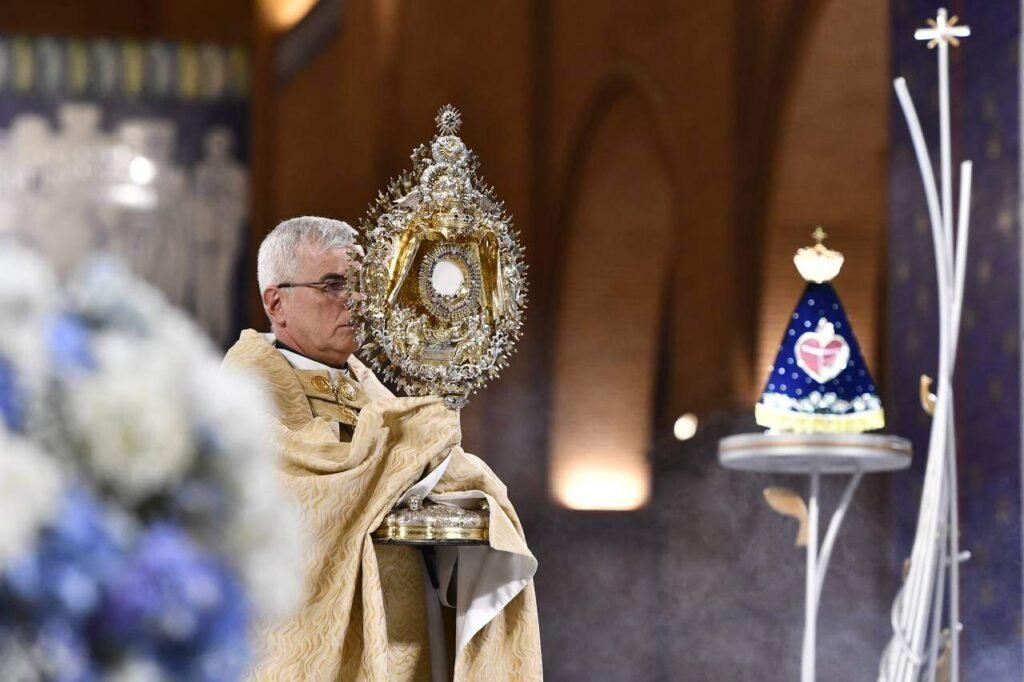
x: 818, y: 263
x: 443, y: 282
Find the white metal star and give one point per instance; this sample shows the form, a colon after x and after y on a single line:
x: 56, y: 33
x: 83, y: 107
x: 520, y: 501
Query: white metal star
x: 942, y: 31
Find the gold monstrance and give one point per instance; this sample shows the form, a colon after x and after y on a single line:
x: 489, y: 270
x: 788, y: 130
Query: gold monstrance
x: 443, y: 282
x: 443, y: 290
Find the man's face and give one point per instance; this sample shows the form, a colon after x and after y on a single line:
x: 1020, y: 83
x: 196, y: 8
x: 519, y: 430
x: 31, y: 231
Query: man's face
x: 314, y: 321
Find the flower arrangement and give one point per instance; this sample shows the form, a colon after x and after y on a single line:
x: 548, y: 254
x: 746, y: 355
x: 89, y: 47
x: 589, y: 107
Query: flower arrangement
x: 143, y: 532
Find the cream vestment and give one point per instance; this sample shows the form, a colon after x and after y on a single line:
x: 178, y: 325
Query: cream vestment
x: 364, y: 617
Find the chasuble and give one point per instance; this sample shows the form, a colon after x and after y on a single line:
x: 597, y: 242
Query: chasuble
x: 349, y: 451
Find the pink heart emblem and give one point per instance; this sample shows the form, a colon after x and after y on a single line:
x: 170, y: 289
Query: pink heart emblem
x: 823, y: 354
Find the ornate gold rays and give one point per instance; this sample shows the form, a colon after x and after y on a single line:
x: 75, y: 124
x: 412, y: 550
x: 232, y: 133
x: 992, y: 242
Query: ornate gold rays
x: 443, y: 282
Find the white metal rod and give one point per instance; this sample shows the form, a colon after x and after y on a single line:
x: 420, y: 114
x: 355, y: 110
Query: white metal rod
x: 945, y: 146
x: 937, y: 527
x: 954, y: 555
x: 939, y: 594
x: 915, y: 603
x: 937, y: 535
x: 833, y: 531
x: 811, y: 604
x: 962, y: 231
x: 925, y: 554
x: 924, y: 163
x: 913, y: 616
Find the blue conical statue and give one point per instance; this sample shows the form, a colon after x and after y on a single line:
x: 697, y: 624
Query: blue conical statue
x: 819, y: 382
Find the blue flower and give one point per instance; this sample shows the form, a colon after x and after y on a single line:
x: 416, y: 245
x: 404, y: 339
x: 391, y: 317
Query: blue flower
x: 223, y: 648
x: 73, y: 558
x: 181, y: 603
x: 64, y: 655
x: 12, y: 411
x: 68, y: 344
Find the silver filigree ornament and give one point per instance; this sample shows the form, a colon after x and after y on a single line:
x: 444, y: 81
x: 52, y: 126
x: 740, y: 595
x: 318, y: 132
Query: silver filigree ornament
x: 442, y: 289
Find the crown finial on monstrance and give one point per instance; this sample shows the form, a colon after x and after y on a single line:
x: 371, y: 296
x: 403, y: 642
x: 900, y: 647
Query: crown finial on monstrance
x: 449, y: 120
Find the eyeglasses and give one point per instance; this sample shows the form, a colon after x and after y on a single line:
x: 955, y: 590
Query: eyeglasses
x: 335, y: 288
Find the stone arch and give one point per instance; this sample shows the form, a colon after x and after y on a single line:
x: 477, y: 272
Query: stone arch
x: 616, y: 256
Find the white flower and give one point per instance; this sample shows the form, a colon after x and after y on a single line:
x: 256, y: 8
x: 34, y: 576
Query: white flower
x: 28, y: 287
x: 107, y: 291
x: 265, y: 537
x: 28, y: 297
x: 30, y: 487
x: 136, y: 421
x: 130, y: 417
x: 268, y: 543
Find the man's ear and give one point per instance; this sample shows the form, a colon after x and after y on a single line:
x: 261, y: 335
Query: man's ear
x: 274, y: 305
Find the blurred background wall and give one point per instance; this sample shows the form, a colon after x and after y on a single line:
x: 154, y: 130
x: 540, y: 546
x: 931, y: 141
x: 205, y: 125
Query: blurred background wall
x: 663, y: 161
x: 125, y: 128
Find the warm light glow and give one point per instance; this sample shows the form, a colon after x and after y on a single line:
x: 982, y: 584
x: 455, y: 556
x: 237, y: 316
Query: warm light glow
x: 141, y: 170
x: 283, y: 14
x: 608, y: 489
x: 685, y: 427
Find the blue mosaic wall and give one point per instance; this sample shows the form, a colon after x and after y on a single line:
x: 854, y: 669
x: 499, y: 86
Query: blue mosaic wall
x: 986, y: 122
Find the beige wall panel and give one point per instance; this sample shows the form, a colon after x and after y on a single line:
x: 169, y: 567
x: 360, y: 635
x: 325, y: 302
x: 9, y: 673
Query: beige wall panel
x: 610, y: 310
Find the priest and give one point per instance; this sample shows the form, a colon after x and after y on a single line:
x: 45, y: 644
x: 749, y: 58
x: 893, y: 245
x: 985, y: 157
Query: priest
x: 349, y: 451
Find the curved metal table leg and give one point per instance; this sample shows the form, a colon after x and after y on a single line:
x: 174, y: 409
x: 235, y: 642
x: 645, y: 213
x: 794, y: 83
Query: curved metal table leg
x: 817, y: 564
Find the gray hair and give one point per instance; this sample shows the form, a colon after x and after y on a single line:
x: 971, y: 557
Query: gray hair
x: 276, y: 261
